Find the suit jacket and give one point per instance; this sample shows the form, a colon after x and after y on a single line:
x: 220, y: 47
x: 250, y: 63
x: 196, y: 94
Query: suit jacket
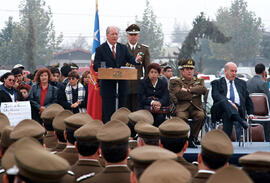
x: 104, y: 54
x: 133, y: 85
x: 258, y: 85
x: 70, y: 154
x: 184, y: 99
x: 219, y: 93
x: 5, y: 97
x: 147, y: 90
x: 200, y: 178
x: 191, y: 168
x: 114, y: 174
x: 85, y: 166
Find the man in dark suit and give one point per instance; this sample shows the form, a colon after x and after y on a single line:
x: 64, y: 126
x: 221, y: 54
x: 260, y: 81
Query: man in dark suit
x: 258, y: 84
x: 231, y: 99
x: 113, y: 54
x: 133, y: 35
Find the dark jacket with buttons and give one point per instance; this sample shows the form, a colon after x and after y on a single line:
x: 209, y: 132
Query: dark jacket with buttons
x: 147, y: 90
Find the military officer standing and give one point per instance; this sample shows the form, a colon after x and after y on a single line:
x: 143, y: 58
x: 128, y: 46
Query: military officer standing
x: 135, y: 48
x: 186, y: 93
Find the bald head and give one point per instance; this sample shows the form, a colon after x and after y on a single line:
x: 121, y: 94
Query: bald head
x: 230, y: 70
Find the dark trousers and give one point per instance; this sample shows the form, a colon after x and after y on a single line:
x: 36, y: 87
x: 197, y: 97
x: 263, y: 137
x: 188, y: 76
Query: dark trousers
x: 132, y: 102
x: 158, y: 119
x: 108, y: 106
x: 225, y: 111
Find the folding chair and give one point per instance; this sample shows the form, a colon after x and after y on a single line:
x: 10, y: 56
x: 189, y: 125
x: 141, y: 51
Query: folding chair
x: 261, y: 110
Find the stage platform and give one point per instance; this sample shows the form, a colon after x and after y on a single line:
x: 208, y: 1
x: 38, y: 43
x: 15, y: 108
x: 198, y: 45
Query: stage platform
x: 191, y: 154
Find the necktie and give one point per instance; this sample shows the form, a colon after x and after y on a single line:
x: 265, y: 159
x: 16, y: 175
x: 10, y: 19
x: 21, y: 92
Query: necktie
x: 232, y: 97
x: 113, y: 52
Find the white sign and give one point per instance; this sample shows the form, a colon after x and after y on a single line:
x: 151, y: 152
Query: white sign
x: 16, y: 111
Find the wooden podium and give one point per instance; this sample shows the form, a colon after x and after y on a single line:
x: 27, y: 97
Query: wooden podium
x: 117, y: 74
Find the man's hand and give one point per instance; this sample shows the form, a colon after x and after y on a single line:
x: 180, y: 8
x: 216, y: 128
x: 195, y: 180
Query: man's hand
x: 138, y: 58
x: 234, y: 105
x: 41, y: 109
x: 251, y: 116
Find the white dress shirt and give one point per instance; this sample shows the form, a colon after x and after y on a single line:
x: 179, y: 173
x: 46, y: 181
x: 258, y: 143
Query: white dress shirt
x: 236, y: 95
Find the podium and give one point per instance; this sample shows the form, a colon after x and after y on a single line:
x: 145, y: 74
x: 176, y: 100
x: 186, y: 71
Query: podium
x: 117, y: 74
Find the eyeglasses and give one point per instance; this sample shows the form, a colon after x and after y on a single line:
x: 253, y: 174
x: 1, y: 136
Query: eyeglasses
x: 11, y: 80
x: 72, y: 78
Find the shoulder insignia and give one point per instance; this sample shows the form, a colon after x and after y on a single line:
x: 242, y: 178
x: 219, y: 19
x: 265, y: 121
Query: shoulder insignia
x: 70, y: 172
x: 182, y: 78
x: 174, y: 77
x: 2, y: 170
x: 86, y: 176
x: 194, y: 78
x: 139, y: 46
x: 145, y: 45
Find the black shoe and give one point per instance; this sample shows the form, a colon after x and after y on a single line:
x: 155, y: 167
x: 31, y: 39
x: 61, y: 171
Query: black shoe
x: 191, y: 144
x: 196, y: 141
x: 244, y: 124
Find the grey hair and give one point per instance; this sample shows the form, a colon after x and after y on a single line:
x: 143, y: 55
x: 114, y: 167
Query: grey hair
x: 111, y: 27
x: 226, y: 66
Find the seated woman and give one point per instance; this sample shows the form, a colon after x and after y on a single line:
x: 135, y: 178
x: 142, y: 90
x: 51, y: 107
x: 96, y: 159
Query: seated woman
x: 7, y: 91
x: 42, y: 94
x: 73, y: 95
x: 153, y: 94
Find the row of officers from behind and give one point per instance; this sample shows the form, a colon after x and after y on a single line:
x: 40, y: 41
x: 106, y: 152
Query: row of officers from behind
x: 157, y: 157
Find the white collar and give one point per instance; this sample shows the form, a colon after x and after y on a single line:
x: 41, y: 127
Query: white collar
x: 206, y: 171
x: 95, y: 160
x: 115, y: 166
x: 228, y: 81
x: 70, y: 146
x: 132, y: 46
x: 110, y: 45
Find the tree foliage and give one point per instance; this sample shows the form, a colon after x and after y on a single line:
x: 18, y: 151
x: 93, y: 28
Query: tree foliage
x: 151, y: 32
x: 202, y: 28
x: 179, y: 33
x: 244, y: 28
x: 265, y: 46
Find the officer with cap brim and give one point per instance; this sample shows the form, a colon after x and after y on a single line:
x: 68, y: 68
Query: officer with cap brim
x: 133, y: 35
x: 186, y: 93
x: 147, y: 134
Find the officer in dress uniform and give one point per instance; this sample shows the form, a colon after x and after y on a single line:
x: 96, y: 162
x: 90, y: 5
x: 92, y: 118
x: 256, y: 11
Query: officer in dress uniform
x: 147, y: 134
x: 87, y: 146
x: 215, y: 152
x: 142, y: 157
x: 113, y: 138
x: 174, y: 137
x: 47, y: 116
x: 186, y: 94
x: 72, y: 123
x: 135, y: 48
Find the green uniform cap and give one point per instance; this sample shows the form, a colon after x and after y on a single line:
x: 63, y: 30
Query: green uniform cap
x: 174, y: 128
x: 37, y: 164
x: 8, y: 160
x: 3, y: 121
x: 27, y: 128
x: 256, y: 161
x: 145, y: 130
x: 165, y: 171
x: 133, y: 29
x: 50, y: 112
x: 141, y: 115
x: 88, y: 132
x: 77, y: 120
x: 217, y: 143
x: 58, y: 121
x: 121, y: 114
x: 114, y: 131
x: 186, y: 63
x: 5, y: 137
x: 145, y: 155
x: 230, y: 174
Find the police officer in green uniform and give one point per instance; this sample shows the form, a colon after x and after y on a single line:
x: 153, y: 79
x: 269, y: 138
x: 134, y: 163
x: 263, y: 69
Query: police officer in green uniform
x: 174, y: 137
x: 87, y: 146
x: 135, y: 48
x: 186, y: 94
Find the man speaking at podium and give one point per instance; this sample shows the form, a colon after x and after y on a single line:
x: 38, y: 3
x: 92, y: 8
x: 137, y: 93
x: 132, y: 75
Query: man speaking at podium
x: 112, y: 54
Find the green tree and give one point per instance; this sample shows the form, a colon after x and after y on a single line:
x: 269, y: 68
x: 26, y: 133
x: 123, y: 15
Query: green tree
x: 265, y: 46
x: 151, y: 32
x: 179, y: 33
x: 30, y: 47
x: 244, y: 28
x: 46, y: 42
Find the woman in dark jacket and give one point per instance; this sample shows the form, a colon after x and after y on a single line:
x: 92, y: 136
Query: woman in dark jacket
x: 42, y: 94
x: 153, y: 94
x: 7, y: 92
x: 73, y: 95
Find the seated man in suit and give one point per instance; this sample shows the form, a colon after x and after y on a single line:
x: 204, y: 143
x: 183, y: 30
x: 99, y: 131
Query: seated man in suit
x: 231, y: 99
x: 114, y: 55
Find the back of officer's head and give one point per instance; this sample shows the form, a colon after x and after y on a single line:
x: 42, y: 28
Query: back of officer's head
x: 259, y: 68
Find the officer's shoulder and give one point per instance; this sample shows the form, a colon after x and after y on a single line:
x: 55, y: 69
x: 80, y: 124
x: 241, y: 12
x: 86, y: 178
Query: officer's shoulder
x: 174, y: 78
x: 144, y: 45
x: 86, y: 176
x: 2, y: 170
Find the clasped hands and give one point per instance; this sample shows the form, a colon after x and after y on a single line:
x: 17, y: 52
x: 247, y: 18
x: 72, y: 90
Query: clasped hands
x: 156, y: 105
x: 76, y: 104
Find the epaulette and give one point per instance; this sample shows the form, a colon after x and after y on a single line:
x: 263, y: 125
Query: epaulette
x: 194, y: 78
x: 182, y: 78
x: 174, y: 77
x: 2, y: 170
x: 70, y: 172
x: 145, y: 45
x: 86, y: 176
